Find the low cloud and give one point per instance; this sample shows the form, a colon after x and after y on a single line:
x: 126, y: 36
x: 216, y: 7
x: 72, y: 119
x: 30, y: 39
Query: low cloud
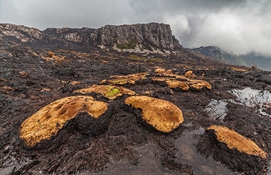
x: 239, y: 26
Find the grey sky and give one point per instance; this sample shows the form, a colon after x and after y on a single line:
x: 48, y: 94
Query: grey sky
x: 240, y: 26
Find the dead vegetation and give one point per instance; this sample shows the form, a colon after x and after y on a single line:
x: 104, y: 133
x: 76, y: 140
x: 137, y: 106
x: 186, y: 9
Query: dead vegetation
x: 76, y: 142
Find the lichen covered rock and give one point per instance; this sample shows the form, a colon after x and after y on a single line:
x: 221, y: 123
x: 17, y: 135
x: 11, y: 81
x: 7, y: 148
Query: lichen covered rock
x: 161, y: 114
x: 46, y: 122
x: 233, y: 140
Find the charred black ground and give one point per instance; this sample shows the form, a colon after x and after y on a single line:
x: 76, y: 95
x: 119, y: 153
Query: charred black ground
x: 124, y: 142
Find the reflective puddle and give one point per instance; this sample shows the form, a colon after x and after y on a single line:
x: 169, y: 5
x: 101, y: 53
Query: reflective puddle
x: 148, y: 163
x: 253, y: 98
x: 259, y: 100
x: 217, y: 109
x: 188, y: 154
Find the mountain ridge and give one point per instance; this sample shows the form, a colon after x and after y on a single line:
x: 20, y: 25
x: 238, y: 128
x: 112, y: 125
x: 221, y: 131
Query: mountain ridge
x: 153, y: 37
x: 249, y: 60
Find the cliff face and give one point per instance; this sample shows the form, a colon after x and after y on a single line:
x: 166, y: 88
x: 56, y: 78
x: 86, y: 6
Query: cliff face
x: 152, y: 37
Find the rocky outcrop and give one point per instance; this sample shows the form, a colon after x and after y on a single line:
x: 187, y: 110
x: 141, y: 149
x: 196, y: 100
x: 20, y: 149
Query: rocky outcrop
x: 138, y: 37
x: 22, y: 33
x: 143, y: 38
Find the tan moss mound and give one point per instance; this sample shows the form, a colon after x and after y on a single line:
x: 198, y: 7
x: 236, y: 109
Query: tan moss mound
x: 199, y: 84
x: 161, y: 114
x: 50, y: 119
x: 178, y: 84
x: 189, y: 74
x: 233, y: 140
x: 184, y: 82
x: 162, y: 71
x: 159, y: 70
x: 108, y: 91
x: 238, y: 69
x: 184, y: 85
x: 168, y: 73
x: 23, y: 74
x: 172, y: 83
x: 127, y: 79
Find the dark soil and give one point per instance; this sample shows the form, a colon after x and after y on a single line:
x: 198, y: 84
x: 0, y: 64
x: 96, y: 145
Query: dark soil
x: 121, y: 142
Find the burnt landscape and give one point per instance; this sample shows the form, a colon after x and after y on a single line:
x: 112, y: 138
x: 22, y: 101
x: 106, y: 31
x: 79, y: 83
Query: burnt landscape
x: 40, y: 67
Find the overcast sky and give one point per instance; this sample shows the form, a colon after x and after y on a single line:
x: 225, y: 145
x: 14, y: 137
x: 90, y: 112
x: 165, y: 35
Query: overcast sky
x: 240, y: 26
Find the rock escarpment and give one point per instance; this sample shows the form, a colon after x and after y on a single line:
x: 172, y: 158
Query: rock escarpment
x: 153, y: 37
x: 138, y: 38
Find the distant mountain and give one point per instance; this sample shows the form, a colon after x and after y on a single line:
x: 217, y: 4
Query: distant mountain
x: 251, y: 59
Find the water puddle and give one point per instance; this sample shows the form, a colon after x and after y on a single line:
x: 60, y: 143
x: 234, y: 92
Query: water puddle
x: 148, y: 163
x: 188, y: 154
x: 10, y: 164
x: 257, y: 99
x: 217, y: 109
x: 260, y: 100
x: 253, y: 98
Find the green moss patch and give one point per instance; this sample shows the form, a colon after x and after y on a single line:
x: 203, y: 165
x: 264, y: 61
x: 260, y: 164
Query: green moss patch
x: 130, y: 45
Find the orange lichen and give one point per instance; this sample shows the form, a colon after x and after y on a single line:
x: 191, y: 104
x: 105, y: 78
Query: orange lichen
x: 173, y: 83
x: 2, y: 79
x: 50, y: 53
x: 238, y: 69
x: 178, y: 84
x: 159, y: 70
x: 23, y: 74
x: 199, y: 84
x: 7, y: 88
x: 74, y: 82
x: 185, y: 84
x: 161, y: 114
x: 168, y: 73
x: 53, y: 57
x: 124, y: 79
x: 163, y: 79
x: 233, y: 140
x: 108, y: 91
x: 102, y: 81
x: 189, y: 74
x: 46, y: 122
